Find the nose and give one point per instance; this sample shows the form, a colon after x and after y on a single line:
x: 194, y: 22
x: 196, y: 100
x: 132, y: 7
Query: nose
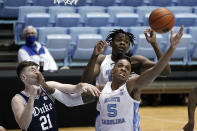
x: 123, y: 69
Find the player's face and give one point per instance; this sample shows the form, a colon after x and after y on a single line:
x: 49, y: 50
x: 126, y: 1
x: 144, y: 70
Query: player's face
x: 30, y: 76
x: 122, y: 70
x: 120, y: 43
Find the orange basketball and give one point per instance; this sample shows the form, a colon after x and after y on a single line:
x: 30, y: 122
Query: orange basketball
x: 161, y: 20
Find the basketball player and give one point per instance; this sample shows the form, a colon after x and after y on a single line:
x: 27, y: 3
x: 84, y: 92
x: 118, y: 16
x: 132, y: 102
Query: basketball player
x: 119, y: 100
x: 191, y: 110
x: 34, y: 108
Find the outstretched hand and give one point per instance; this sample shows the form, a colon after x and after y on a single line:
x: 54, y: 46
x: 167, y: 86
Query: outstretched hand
x: 88, y: 88
x: 100, y: 47
x: 189, y: 126
x: 174, y: 40
x: 150, y: 35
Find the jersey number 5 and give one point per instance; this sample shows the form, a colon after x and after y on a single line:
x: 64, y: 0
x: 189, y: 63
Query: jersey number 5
x: 45, y: 122
x: 112, y: 112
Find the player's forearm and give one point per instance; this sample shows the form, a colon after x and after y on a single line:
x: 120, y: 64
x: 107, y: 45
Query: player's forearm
x: 26, y: 117
x: 167, y: 70
x: 88, y: 74
x: 149, y: 75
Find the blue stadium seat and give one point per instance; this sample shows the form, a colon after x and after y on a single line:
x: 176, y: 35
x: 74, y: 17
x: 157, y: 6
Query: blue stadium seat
x: 97, y: 19
x: 126, y: 19
x: 113, y: 10
x: 180, y: 9
x: 75, y: 31
x: 54, y: 10
x: 187, y: 2
x: 103, y: 2
x: 44, y: 31
x: 37, y: 19
x: 67, y: 19
x: 193, y: 32
x: 181, y: 54
x: 193, y: 56
x: 23, y: 10
x: 83, y: 10
x: 132, y: 3
x: 186, y: 19
x: 43, y: 3
x: 145, y: 49
x: 143, y: 10
x: 162, y: 3
x: 9, y: 8
x: 57, y: 45
x: 84, y: 49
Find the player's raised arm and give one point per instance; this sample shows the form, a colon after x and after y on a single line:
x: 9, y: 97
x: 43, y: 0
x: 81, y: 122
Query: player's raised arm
x: 93, y: 67
x: 150, y: 75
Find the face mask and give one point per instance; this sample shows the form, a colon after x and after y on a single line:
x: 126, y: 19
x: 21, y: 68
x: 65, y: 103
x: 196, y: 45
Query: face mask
x: 30, y: 40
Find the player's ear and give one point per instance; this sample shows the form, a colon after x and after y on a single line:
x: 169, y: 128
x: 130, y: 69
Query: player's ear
x: 22, y: 77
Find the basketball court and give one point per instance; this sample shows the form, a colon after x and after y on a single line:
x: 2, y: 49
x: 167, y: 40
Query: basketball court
x: 161, y: 118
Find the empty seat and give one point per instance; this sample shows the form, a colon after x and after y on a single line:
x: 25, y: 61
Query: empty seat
x: 83, y: 10
x: 145, y: 49
x: 67, y: 19
x: 126, y: 19
x: 103, y: 2
x: 54, y: 10
x: 187, y: 2
x: 97, y: 19
x: 113, y: 10
x: 143, y: 10
x: 180, y: 9
x: 37, y: 19
x: 43, y: 2
x: 58, y: 44
x: 186, y: 19
x: 193, y: 56
x: 132, y: 2
x: 161, y: 3
x: 44, y: 31
x: 84, y: 49
x: 9, y: 8
x: 75, y: 31
x: 193, y: 33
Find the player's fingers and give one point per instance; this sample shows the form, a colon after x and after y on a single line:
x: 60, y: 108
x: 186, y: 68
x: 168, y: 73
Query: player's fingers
x: 146, y: 35
x: 97, y: 92
x: 171, y: 33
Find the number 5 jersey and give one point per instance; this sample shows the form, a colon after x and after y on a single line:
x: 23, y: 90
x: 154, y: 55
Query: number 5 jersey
x: 118, y: 110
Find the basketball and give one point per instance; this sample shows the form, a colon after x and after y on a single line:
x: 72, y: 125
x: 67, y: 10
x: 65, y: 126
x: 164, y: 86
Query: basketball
x: 161, y: 20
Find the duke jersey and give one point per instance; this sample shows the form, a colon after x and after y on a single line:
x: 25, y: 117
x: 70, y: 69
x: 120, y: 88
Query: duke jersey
x: 118, y: 111
x: 43, y: 115
x: 105, y: 71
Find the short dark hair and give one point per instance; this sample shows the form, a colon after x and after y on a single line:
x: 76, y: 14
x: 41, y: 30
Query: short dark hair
x: 114, y: 32
x: 24, y: 64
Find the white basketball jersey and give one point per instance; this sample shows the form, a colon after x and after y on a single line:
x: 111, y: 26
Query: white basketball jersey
x: 118, y: 111
x: 105, y: 71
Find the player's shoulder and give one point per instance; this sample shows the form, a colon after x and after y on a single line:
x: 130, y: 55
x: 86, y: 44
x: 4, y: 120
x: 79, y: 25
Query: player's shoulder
x: 17, y: 99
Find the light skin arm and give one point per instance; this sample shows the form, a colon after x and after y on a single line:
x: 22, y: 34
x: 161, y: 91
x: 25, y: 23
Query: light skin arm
x: 191, y: 110
x: 150, y: 75
x: 146, y: 63
x: 23, y: 113
x: 93, y: 68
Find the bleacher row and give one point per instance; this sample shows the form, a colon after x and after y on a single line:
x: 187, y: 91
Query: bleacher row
x: 70, y: 32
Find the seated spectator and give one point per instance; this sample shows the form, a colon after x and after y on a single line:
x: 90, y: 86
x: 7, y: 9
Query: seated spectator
x: 34, y: 51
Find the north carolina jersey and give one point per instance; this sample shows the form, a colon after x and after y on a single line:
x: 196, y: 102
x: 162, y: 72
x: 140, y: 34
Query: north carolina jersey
x: 118, y: 111
x: 43, y: 115
x: 105, y: 74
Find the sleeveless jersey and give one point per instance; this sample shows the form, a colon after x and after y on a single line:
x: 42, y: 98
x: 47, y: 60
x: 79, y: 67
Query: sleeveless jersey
x: 105, y: 71
x: 43, y: 115
x: 118, y: 111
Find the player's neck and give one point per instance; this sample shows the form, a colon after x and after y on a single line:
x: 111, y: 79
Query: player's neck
x: 116, y: 84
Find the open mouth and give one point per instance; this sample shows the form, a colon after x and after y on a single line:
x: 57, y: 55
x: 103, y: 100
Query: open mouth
x: 122, y: 74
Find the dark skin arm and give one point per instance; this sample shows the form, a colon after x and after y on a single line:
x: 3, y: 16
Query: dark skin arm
x: 142, y: 63
x: 191, y: 110
x: 93, y: 68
